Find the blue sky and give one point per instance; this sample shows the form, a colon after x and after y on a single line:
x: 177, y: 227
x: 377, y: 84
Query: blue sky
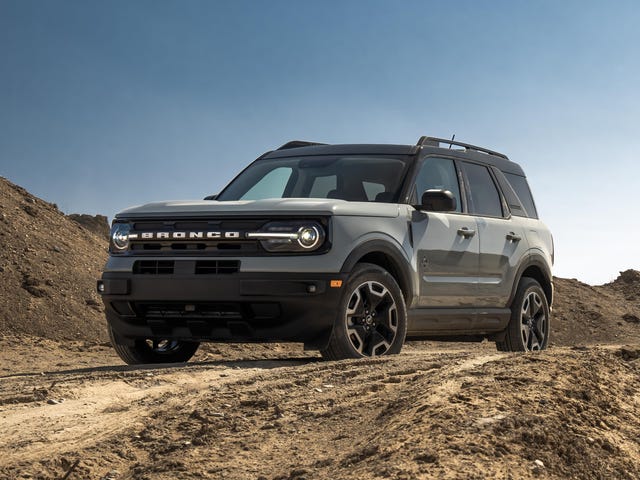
x: 104, y: 105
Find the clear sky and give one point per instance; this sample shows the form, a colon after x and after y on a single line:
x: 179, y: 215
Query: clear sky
x: 104, y: 105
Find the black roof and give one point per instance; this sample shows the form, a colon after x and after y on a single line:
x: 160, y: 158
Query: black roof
x: 346, y: 149
x: 311, y: 149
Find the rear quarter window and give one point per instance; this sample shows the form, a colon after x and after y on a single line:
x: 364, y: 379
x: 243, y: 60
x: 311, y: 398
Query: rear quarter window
x: 521, y: 187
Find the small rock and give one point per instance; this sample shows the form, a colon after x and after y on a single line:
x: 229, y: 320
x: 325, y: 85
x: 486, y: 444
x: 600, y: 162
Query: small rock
x: 538, y: 463
x: 1, y: 269
x: 56, y: 249
x: 52, y: 401
x: 327, y: 385
x: 91, y: 302
x: 29, y: 200
x: 3, y: 217
x: 217, y: 414
x: 319, y: 390
x: 186, y: 443
x: 426, y: 457
x: 30, y: 210
x: 112, y: 475
x: 629, y: 353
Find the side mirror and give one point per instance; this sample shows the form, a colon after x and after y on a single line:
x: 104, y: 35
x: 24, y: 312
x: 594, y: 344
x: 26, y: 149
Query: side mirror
x: 438, y: 201
x: 211, y: 197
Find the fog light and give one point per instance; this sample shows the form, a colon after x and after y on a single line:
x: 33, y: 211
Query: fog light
x: 100, y: 286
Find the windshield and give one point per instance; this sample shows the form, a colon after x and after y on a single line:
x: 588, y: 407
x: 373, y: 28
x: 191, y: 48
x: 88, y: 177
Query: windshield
x: 355, y: 178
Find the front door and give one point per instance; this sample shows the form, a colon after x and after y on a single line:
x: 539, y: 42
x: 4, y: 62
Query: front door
x: 446, y: 244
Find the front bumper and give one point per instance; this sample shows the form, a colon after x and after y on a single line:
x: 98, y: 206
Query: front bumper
x: 238, y: 307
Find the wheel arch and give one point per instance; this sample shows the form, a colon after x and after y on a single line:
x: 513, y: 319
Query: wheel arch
x: 536, y: 268
x: 381, y: 253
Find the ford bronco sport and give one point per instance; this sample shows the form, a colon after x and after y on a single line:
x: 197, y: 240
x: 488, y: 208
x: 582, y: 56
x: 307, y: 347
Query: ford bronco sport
x: 348, y: 249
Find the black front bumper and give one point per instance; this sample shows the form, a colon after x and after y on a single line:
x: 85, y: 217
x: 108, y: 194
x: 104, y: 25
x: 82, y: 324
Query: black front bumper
x: 238, y: 307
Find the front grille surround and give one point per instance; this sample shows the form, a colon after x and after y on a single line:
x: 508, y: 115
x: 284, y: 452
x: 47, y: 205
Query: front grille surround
x: 218, y: 247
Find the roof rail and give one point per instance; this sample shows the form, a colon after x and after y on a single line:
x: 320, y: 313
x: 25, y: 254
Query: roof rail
x: 435, y: 142
x: 298, y: 143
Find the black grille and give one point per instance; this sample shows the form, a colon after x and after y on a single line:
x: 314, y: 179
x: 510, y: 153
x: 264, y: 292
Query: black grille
x: 213, y: 267
x: 153, y: 267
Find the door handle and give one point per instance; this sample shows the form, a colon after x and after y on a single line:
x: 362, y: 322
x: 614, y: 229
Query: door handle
x: 512, y: 237
x: 466, y: 232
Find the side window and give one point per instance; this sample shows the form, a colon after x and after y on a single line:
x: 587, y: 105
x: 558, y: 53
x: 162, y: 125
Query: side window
x: 484, y: 198
x: 515, y: 205
x: 322, y: 186
x: 521, y: 188
x: 272, y: 185
x: 440, y: 174
x: 373, y: 190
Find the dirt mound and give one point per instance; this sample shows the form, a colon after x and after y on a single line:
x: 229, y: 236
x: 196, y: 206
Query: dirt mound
x: 628, y: 283
x: 585, y: 314
x: 97, y: 224
x: 48, y: 268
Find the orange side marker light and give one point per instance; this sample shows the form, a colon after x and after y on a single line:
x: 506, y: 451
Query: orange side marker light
x: 335, y: 283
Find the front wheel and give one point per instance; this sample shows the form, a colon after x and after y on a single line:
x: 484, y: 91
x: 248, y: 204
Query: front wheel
x: 530, y: 322
x: 372, y: 319
x: 153, y: 350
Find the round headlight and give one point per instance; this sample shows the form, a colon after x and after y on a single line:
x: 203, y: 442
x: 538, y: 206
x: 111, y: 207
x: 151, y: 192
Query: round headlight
x: 120, y: 236
x: 308, y: 237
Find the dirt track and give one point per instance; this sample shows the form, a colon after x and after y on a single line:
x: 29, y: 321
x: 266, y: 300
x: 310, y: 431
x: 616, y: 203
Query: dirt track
x: 436, y: 411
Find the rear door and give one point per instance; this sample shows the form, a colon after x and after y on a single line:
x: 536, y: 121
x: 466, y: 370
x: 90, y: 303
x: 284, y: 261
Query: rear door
x: 502, y: 238
x: 446, y: 244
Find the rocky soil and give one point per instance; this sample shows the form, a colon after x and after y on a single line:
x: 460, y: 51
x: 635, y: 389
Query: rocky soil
x: 69, y: 408
x: 48, y: 268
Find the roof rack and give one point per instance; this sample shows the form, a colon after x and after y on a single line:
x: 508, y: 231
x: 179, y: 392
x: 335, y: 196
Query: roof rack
x: 297, y: 144
x: 435, y: 142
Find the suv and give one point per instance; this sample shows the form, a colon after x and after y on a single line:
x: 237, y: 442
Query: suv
x: 348, y: 249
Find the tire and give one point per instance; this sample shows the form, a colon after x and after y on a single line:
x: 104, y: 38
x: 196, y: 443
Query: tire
x: 153, y: 350
x: 362, y: 331
x: 530, y: 322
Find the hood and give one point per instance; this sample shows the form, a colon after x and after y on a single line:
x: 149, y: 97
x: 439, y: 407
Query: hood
x: 270, y: 207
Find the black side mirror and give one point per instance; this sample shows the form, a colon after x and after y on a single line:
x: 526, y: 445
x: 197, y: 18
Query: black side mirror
x: 211, y: 197
x: 438, y: 201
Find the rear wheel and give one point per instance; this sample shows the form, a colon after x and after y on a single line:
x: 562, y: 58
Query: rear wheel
x: 530, y: 322
x: 372, y: 319
x: 153, y: 350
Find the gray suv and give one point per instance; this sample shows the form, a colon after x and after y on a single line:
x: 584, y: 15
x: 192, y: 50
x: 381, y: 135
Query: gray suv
x: 348, y: 249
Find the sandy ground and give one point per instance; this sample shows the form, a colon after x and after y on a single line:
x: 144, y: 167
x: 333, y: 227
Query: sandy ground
x: 261, y: 412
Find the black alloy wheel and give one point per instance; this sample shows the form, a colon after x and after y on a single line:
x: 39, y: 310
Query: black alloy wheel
x: 530, y: 323
x: 372, y: 319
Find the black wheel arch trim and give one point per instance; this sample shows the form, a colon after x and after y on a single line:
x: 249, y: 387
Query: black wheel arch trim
x: 399, y: 263
x: 534, y: 260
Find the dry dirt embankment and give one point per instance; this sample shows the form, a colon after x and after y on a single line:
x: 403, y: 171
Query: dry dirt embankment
x: 69, y: 407
x: 48, y: 268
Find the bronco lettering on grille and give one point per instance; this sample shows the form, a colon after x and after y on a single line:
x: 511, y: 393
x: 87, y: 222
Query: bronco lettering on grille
x: 186, y: 235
